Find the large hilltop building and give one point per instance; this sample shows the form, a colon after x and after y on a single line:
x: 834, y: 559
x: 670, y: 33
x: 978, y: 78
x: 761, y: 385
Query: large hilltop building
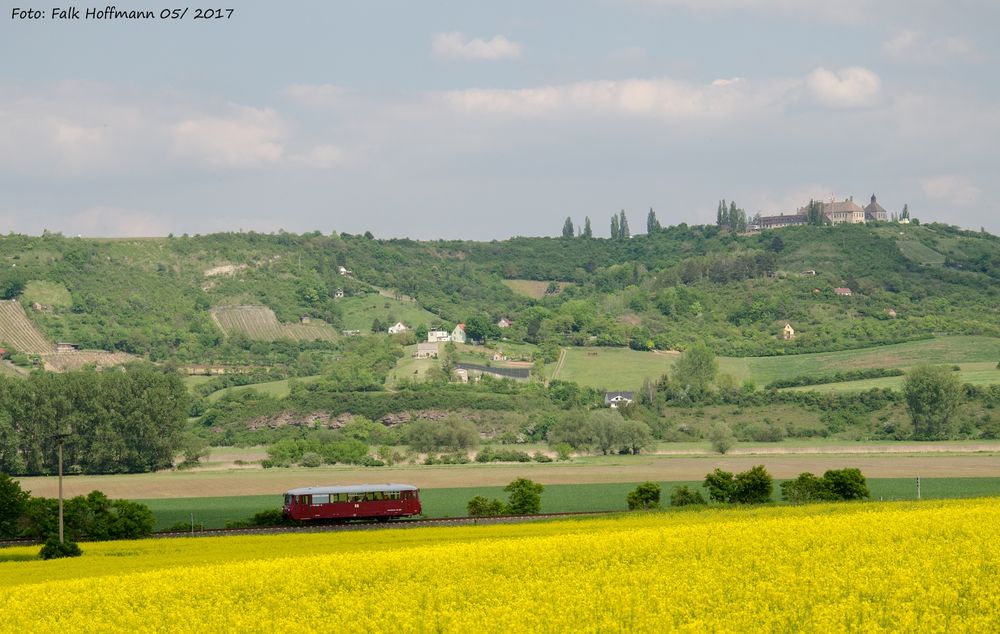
x: 836, y: 212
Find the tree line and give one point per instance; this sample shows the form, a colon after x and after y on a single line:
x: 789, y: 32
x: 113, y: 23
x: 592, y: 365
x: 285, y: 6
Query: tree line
x: 116, y: 421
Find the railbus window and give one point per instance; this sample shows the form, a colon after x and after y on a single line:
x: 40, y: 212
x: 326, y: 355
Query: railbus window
x: 320, y: 498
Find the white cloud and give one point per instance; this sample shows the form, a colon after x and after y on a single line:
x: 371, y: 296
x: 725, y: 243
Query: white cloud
x: 315, y: 95
x: 457, y: 45
x: 951, y: 188
x: 907, y: 45
x: 666, y: 98
x: 672, y: 99
x: 243, y: 137
x: 853, y: 87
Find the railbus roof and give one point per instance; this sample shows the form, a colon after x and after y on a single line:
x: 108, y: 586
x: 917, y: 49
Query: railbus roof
x: 351, y: 488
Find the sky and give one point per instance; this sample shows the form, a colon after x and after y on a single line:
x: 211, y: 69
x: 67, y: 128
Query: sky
x: 485, y: 120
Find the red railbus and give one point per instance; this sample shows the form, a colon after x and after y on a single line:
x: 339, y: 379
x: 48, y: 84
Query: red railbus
x: 355, y: 501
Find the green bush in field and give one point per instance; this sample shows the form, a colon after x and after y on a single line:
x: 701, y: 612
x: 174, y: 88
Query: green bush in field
x: 480, y: 506
x: 753, y: 486
x: 525, y: 497
x: 311, y: 459
x: 645, y: 496
x: 54, y: 549
x: 683, y: 496
x: 836, y: 484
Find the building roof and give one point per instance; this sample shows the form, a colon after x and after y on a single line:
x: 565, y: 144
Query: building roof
x: 351, y: 488
x: 842, y: 291
x: 427, y: 346
x: 843, y: 206
x: 609, y: 396
x: 875, y: 208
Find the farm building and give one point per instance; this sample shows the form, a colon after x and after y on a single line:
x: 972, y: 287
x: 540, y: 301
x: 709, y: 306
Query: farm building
x: 434, y: 336
x: 788, y: 333
x: 618, y: 399
x: 397, y: 328
x: 426, y: 351
x: 458, y: 334
x: 65, y: 347
x: 843, y: 291
x: 504, y: 323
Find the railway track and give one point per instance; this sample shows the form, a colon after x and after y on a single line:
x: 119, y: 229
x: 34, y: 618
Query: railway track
x: 365, y: 525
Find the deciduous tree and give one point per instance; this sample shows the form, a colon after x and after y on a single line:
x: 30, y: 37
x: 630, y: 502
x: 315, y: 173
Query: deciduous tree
x: 932, y: 395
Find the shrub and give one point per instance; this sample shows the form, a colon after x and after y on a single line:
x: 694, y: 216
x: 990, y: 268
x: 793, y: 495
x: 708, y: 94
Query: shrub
x: 721, y: 437
x: 683, y: 496
x: 753, y: 486
x: 563, y: 451
x: 311, y: 459
x: 836, y: 484
x: 525, y: 496
x: 479, y: 506
x: 55, y: 549
x: 805, y: 488
x: 847, y: 484
x: 492, y: 454
x: 540, y: 457
x: 720, y: 485
x: 645, y: 496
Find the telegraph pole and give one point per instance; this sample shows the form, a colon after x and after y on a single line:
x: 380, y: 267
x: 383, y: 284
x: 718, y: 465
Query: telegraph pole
x: 60, y: 438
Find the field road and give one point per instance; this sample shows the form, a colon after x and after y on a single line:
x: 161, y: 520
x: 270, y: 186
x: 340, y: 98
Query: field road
x: 256, y: 481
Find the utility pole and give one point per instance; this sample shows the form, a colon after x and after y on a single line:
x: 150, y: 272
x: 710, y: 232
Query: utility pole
x: 918, y: 487
x: 61, y: 437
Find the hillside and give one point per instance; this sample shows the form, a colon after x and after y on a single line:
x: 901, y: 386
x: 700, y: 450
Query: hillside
x: 162, y: 298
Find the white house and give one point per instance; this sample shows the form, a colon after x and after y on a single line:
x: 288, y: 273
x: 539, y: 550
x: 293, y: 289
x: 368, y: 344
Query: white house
x: 504, y: 323
x: 397, y: 328
x: 618, y: 399
x: 434, y: 336
x: 458, y: 334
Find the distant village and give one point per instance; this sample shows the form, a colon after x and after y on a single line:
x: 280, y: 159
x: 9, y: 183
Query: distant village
x: 835, y: 212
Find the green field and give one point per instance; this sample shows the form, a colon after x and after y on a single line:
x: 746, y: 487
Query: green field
x: 534, y: 289
x: 975, y: 373
x: 409, y: 368
x: 620, y: 368
x: 278, y: 389
x: 47, y: 293
x: 361, y: 311
x: 920, y: 253
x: 557, y: 498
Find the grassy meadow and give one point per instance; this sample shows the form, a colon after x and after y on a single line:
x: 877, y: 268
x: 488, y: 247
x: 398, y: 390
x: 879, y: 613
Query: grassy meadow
x: 620, y: 368
x: 359, y: 312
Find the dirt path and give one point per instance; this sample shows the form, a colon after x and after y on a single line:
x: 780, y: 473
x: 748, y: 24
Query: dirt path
x: 559, y: 365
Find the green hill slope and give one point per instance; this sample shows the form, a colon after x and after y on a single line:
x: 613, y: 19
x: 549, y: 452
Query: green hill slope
x: 153, y: 297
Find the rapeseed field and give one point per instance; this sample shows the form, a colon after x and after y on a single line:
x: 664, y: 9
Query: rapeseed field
x: 907, y: 567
